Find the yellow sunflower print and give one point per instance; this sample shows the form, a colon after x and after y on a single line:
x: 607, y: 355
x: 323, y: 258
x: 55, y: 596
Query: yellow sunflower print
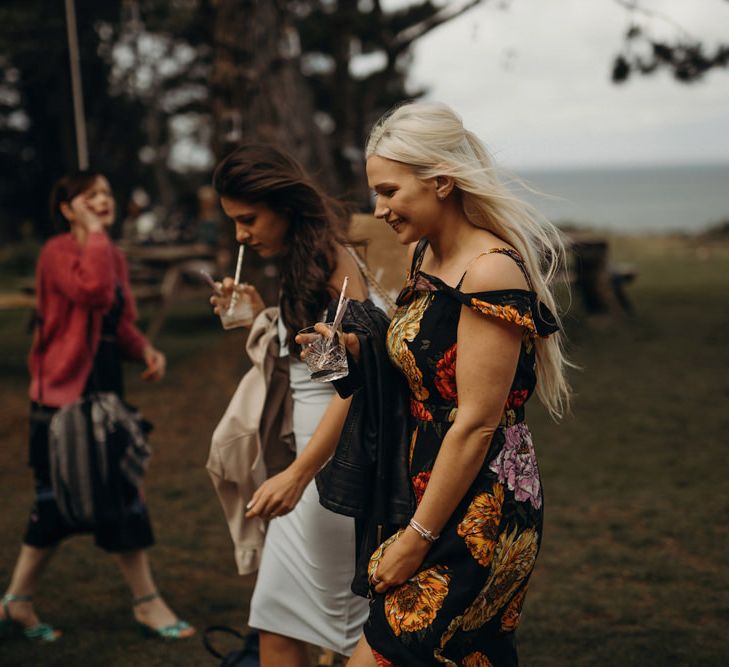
x: 403, y: 329
x: 513, y: 560
x: 414, y: 605
x: 480, y: 525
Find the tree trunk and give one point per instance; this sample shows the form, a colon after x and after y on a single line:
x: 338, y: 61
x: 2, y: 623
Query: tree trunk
x: 258, y: 91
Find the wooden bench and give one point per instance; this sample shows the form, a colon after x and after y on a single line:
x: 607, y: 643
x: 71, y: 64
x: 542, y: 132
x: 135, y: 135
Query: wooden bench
x: 599, y: 282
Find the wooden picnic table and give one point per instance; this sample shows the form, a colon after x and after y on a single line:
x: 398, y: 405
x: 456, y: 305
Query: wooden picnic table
x: 161, y: 269
x: 156, y: 273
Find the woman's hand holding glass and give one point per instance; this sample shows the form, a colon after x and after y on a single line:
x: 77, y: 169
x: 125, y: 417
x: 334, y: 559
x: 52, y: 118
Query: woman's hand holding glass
x: 351, y: 342
x: 244, y: 292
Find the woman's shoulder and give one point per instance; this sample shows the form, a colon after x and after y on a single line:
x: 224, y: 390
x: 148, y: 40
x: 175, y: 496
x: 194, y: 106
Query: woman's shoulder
x: 56, y: 248
x: 59, y: 242
x: 495, y: 269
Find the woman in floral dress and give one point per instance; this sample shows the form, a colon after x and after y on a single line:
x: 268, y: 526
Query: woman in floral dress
x: 475, y: 337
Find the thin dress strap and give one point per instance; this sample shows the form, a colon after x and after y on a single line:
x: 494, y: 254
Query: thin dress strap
x: 418, y: 257
x: 500, y: 251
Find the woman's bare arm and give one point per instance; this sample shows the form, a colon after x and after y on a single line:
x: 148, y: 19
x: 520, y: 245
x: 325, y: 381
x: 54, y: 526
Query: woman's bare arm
x: 487, y: 354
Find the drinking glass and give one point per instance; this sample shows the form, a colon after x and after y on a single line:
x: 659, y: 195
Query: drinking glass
x: 238, y: 312
x: 325, y: 356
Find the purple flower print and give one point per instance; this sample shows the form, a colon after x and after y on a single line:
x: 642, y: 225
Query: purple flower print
x: 516, y: 465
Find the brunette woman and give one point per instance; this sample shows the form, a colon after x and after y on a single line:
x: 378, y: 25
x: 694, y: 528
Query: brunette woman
x: 86, y: 315
x: 302, y: 593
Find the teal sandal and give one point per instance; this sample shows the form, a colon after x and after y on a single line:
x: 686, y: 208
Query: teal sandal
x: 168, y: 632
x: 41, y: 632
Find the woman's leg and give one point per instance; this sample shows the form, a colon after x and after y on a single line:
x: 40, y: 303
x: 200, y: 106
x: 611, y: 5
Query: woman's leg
x: 154, y: 612
x: 362, y: 656
x: 28, y: 569
x: 278, y: 650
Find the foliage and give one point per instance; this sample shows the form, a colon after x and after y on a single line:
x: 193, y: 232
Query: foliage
x: 685, y: 56
x: 170, y: 84
x: 152, y: 102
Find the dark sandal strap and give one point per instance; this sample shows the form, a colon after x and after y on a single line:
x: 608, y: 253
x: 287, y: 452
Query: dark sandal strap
x: 8, y: 598
x: 145, y: 598
x: 16, y: 598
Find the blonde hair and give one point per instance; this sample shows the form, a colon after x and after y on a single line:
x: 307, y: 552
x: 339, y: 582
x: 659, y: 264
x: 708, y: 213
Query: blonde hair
x: 430, y: 138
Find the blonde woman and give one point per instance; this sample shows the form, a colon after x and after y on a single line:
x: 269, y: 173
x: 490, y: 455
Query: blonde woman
x: 475, y: 336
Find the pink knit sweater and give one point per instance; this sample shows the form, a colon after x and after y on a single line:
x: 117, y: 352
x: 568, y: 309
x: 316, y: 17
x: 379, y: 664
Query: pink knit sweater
x: 75, y: 283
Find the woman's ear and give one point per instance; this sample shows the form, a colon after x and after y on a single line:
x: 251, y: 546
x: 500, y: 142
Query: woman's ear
x: 66, y: 211
x: 443, y: 186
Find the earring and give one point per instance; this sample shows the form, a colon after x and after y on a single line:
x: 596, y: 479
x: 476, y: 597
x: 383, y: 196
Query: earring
x: 441, y: 196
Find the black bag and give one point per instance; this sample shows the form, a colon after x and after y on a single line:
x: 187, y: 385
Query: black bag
x: 247, y: 656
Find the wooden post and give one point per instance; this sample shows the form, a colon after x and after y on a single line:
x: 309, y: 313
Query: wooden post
x: 82, y: 150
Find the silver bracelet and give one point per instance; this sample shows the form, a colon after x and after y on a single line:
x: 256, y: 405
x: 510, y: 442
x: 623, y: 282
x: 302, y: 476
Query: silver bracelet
x: 422, y: 531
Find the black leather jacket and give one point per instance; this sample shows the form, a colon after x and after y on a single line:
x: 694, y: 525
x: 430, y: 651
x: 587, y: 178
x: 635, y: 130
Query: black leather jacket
x: 367, y: 478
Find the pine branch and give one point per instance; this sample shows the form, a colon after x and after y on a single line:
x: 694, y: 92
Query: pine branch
x: 405, y: 38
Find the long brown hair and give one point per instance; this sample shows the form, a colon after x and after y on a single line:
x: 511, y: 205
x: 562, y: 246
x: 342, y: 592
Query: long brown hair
x: 264, y: 174
x: 65, y: 190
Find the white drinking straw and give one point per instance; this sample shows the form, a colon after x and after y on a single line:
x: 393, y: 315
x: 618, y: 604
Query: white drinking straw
x: 241, y: 250
x: 236, y: 280
x: 338, y: 316
x: 339, y: 312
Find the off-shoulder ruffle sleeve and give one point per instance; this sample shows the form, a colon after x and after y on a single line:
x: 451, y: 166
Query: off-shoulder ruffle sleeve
x: 519, y: 307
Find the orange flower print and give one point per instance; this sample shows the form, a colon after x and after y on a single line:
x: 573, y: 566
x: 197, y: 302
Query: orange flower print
x: 414, y: 605
x: 510, y: 618
x: 507, y: 313
x: 476, y: 659
x: 419, y: 411
x: 480, y: 525
x: 420, y: 483
x: 445, y: 375
x: 513, y: 561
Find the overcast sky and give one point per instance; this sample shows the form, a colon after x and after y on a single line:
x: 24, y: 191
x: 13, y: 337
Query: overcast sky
x: 533, y: 81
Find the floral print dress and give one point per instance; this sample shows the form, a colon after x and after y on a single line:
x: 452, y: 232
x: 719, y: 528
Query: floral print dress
x: 463, y: 605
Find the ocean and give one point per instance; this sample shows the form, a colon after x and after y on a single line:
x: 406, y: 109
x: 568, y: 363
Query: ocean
x: 633, y: 199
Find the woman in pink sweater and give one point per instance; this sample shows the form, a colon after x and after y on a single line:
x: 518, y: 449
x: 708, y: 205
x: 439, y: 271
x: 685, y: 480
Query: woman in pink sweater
x: 85, y: 328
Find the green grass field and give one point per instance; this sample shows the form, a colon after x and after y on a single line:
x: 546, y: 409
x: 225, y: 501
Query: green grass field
x: 634, y: 568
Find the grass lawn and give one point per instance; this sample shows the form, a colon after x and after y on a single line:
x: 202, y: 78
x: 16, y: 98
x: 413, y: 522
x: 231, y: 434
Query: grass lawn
x: 634, y: 568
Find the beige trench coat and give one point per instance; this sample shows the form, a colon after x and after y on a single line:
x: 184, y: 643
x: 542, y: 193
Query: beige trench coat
x: 254, y: 439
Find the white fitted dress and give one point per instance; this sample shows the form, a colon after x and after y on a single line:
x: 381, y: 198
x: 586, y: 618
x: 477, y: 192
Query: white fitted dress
x: 302, y: 590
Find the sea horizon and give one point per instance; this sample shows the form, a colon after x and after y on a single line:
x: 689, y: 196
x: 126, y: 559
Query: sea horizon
x: 635, y: 198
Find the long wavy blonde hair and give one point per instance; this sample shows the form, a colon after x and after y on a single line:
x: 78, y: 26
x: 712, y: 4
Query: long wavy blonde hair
x: 430, y: 138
